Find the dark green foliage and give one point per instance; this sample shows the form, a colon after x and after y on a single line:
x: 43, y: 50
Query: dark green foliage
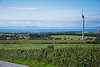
x: 62, y: 57
x: 97, y: 40
x: 43, y: 36
x: 64, y: 38
x: 89, y: 39
x: 39, y: 37
x: 3, y: 37
x: 12, y: 36
x: 93, y: 34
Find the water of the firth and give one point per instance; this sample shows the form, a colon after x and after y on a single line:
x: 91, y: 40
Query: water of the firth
x: 47, y: 30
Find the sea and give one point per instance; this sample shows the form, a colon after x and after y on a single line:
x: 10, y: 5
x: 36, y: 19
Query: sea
x: 47, y: 30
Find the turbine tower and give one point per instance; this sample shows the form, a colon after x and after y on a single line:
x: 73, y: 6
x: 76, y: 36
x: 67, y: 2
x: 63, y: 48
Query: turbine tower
x: 82, y: 25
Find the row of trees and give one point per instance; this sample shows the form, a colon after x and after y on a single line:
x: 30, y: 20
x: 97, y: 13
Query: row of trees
x: 26, y: 36
x: 12, y: 36
x: 38, y: 36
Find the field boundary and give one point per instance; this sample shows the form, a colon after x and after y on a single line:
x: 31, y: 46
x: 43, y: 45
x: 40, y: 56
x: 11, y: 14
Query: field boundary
x: 47, y: 42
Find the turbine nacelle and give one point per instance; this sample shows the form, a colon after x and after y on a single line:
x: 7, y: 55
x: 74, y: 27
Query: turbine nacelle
x: 82, y: 16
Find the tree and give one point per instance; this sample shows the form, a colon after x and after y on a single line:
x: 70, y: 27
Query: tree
x: 97, y: 40
x: 3, y: 37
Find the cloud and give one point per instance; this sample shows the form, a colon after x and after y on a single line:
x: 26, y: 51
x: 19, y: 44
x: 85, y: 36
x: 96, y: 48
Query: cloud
x: 68, y: 19
x: 92, y: 18
x: 23, y: 8
x: 48, y: 23
x: 43, y: 18
x: 39, y: 23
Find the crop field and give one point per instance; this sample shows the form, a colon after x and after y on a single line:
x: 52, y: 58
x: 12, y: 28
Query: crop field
x: 69, y: 52
x: 45, y: 41
x: 38, y: 46
x: 76, y: 37
x: 52, y: 55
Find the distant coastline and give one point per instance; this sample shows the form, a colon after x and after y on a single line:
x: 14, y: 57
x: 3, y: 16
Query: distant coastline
x: 47, y: 30
x: 36, y: 27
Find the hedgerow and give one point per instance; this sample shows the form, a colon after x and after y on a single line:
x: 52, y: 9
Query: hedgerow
x: 46, y: 42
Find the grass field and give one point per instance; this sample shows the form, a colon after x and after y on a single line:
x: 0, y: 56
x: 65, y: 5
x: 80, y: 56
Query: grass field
x: 38, y: 46
x: 72, y: 52
x: 68, y: 37
x: 64, y: 55
x: 45, y: 41
x: 71, y: 36
x: 6, y: 34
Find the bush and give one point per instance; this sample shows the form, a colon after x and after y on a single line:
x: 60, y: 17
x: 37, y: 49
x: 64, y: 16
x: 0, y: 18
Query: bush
x: 89, y: 42
x: 62, y: 57
x: 97, y: 40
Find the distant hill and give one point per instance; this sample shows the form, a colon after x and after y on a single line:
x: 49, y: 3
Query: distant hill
x: 20, y: 27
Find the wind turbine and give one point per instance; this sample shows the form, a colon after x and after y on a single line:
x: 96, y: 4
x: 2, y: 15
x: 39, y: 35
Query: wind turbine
x: 82, y: 25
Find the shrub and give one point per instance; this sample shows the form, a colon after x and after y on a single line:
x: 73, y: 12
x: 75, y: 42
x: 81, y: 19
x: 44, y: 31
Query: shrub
x: 97, y: 40
x: 73, y: 57
x: 89, y: 42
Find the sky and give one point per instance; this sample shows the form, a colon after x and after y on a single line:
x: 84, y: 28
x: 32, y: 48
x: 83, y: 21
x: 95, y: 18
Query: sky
x: 49, y: 13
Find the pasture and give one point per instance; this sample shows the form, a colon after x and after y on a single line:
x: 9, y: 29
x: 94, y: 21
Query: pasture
x: 46, y: 41
x: 52, y: 55
x: 72, y: 52
x: 25, y: 36
x: 39, y: 46
x: 74, y: 37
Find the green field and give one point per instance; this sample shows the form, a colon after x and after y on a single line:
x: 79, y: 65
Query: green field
x: 58, y: 55
x: 38, y: 46
x: 6, y: 34
x: 45, y: 41
x: 72, y: 52
x: 76, y: 37
x: 13, y: 36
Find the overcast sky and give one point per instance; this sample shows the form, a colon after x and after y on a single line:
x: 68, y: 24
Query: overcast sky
x: 49, y: 13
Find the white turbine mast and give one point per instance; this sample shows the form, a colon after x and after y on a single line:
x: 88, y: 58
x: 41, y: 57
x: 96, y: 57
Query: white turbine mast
x: 82, y: 25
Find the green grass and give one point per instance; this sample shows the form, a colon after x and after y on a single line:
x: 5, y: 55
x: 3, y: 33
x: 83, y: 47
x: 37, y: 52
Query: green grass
x: 75, y: 37
x: 6, y: 34
x: 71, y: 36
x: 44, y: 41
x: 32, y: 63
x: 38, y: 46
x: 84, y: 56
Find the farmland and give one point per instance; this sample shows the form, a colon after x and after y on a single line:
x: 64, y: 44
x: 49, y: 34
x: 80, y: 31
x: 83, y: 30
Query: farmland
x: 50, y: 50
x: 52, y: 55
x: 50, y: 33
x: 46, y: 36
x: 74, y: 37
x: 46, y: 42
x: 39, y: 46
